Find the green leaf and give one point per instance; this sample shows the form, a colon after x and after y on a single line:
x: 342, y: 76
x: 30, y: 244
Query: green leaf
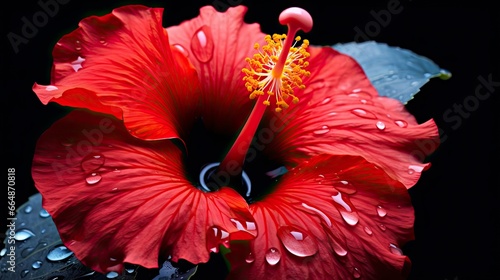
x: 395, y: 72
x: 33, y: 250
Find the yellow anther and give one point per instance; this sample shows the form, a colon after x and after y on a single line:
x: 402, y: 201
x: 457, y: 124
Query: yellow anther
x: 260, y: 79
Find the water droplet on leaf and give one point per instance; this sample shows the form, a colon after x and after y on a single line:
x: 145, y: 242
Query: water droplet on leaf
x: 43, y: 213
x: 28, y: 209
x: 36, y: 265
x: 111, y: 275
x: 23, y: 234
x: 59, y: 253
x: 24, y: 273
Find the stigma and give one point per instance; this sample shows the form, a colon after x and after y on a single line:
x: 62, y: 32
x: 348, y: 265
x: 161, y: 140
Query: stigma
x: 279, y: 66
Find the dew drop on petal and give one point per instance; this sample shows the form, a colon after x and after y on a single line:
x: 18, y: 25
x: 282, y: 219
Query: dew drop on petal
x: 28, y: 209
x: 414, y: 83
x: 326, y: 101
x: 77, y: 64
x: 273, y: 256
x: 92, y: 162
x: 51, y: 88
x: 415, y: 168
x: 202, y: 44
x: 36, y: 264
x: 111, y: 275
x: 216, y: 236
x: 363, y: 113
x: 381, y: 211
x: 250, y: 258
x: 323, y: 130
x: 382, y: 227
x: 297, y: 241
x: 350, y: 217
x: 181, y: 49
x: 339, y: 250
x: 368, y: 230
x: 43, y: 213
x: 395, y: 249
x: 380, y: 125
x: 320, y: 213
x: 93, y: 178
x: 356, y: 273
x: 59, y: 253
x: 23, y: 234
x: 401, y: 123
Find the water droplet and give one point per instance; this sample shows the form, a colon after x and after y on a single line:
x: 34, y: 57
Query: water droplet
x: 297, y: 241
x: 27, y: 251
x: 381, y: 211
x: 415, y: 168
x: 216, y: 236
x: 332, y: 114
x: 339, y: 250
x: 24, y: 273
x: 51, y: 88
x: 116, y: 170
x: 382, y: 227
x: 363, y: 113
x: 130, y: 270
x: 56, y: 278
x: 368, y: 230
x: 112, y: 275
x: 401, y: 123
x: 77, y: 64
x: 355, y: 273
x: 43, y: 213
x: 273, y: 256
x: 23, y: 234
x: 245, y: 226
x: 326, y: 101
x: 3, y: 252
x: 339, y: 199
x: 395, y: 249
x: 59, y: 253
x: 28, y: 209
x: 36, y: 265
x: 324, y: 129
x: 345, y: 187
x: 92, y: 162
x: 320, y: 213
x: 43, y: 231
x: 93, y: 178
x: 350, y: 218
x: 202, y: 44
x: 380, y: 125
x: 413, y: 84
x: 181, y: 49
x: 250, y: 258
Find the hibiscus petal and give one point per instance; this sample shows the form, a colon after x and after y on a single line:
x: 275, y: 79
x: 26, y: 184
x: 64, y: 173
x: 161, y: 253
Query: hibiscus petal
x: 333, y: 217
x: 122, y: 64
x: 217, y: 45
x: 341, y: 113
x: 117, y: 199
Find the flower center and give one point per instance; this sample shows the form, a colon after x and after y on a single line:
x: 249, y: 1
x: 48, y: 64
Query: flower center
x: 275, y: 70
x: 268, y: 73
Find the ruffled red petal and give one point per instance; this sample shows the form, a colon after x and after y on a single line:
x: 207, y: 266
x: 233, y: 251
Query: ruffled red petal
x: 116, y: 199
x: 333, y: 217
x: 122, y: 64
x: 217, y: 45
x: 341, y: 113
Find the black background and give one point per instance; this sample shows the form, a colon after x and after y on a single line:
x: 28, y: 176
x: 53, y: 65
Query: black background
x: 456, y: 200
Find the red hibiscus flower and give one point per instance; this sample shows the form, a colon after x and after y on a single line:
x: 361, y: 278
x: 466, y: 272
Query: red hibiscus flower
x: 134, y: 175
